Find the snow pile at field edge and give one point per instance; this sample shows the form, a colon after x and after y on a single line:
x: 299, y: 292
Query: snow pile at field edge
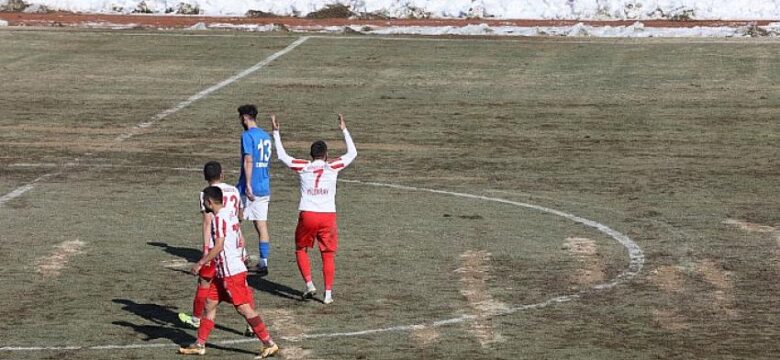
x: 637, y: 30
x: 498, y: 9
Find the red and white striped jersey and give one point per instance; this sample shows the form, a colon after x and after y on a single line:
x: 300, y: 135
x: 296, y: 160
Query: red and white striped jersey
x: 318, y: 177
x: 230, y: 260
x: 230, y: 197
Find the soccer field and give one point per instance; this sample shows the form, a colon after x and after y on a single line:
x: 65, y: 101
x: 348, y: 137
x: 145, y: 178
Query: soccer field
x: 536, y: 198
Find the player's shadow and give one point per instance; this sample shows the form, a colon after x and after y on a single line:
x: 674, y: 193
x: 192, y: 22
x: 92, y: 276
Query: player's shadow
x: 190, y: 254
x: 167, y: 320
x: 273, y: 288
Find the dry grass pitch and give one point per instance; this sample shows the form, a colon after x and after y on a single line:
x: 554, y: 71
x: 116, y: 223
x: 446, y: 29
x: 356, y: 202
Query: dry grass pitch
x: 673, y: 143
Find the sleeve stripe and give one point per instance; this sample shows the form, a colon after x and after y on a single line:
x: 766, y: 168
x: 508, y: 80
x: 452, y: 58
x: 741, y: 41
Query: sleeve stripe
x: 298, y: 161
x: 337, y: 166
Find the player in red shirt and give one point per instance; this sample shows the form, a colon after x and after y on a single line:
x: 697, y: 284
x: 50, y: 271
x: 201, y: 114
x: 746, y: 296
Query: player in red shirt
x: 317, y: 217
x: 227, y: 253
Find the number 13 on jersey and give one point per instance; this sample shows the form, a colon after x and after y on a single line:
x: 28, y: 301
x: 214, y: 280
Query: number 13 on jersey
x: 264, y: 154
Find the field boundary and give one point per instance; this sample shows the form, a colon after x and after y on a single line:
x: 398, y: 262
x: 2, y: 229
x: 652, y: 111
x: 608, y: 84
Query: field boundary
x: 636, y: 263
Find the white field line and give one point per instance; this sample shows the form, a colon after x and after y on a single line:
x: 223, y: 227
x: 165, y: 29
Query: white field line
x: 27, y: 187
x: 636, y: 257
x: 213, y: 88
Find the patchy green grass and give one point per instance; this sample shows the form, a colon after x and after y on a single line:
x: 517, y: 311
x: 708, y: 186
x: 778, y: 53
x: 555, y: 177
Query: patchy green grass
x: 662, y: 140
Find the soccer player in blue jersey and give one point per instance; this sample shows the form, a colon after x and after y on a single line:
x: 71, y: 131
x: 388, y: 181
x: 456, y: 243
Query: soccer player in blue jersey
x: 254, y: 181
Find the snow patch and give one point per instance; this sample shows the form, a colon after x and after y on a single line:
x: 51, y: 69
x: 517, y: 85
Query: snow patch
x: 500, y: 9
x: 635, y: 30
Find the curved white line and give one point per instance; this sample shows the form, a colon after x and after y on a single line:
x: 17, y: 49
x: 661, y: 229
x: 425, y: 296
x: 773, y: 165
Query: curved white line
x: 636, y: 256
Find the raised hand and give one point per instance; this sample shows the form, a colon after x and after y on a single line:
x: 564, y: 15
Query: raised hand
x: 342, y: 124
x: 274, y: 123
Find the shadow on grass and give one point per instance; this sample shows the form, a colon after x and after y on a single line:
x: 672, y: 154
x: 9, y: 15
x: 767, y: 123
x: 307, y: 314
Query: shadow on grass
x: 273, y: 288
x: 169, y: 326
x: 190, y: 254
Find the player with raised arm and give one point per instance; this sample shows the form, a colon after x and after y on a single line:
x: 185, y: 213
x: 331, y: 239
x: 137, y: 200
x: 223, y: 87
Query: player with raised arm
x: 317, y: 217
x: 254, y: 181
x: 214, y: 176
x: 230, y: 282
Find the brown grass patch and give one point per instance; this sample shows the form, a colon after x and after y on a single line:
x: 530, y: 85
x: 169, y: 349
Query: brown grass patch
x: 777, y: 251
x: 282, y: 324
x: 749, y: 226
x: 339, y: 146
x: 294, y: 353
x: 724, y: 294
x: 52, y: 265
x: 670, y: 320
x: 668, y: 278
x: 425, y: 336
x: 176, y: 264
x: 81, y: 145
x: 474, y: 274
x: 584, y: 250
x: 64, y: 129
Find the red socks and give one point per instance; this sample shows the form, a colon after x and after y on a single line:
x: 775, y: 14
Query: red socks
x: 328, y: 268
x: 199, y: 304
x: 204, y: 330
x: 259, y: 328
x: 303, y: 263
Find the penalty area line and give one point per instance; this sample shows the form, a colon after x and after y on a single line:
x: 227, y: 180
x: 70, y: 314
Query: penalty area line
x: 636, y: 262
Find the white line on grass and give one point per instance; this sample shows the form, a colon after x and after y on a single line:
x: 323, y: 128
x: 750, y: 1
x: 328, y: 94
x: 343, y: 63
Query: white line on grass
x: 208, y: 91
x: 635, y: 254
x: 27, y: 187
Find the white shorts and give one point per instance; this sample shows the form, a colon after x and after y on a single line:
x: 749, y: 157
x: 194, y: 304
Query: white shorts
x: 255, y: 210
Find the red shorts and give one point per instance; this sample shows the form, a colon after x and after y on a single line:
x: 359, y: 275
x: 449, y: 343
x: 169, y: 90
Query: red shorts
x: 232, y: 289
x: 208, y: 271
x: 317, y: 226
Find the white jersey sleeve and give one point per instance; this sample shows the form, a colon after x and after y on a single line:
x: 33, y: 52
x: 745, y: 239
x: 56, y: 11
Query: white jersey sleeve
x: 346, y: 159
x: 282, y: 155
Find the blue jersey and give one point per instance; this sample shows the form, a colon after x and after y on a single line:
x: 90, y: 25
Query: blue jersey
x: 257, y: 143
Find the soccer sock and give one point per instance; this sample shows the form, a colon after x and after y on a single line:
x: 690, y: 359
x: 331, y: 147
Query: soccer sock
x: 303, y: 264
x: 328, y: 268
x: 206, y: 325
x: 259, y: 328
x: 200, y: 301
x: 265, y: 249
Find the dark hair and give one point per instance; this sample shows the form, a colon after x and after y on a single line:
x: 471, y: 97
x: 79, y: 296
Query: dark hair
x: 318, y: 149
x: 250, y: 110
x: 212, y: 170
x: 214, y: 193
